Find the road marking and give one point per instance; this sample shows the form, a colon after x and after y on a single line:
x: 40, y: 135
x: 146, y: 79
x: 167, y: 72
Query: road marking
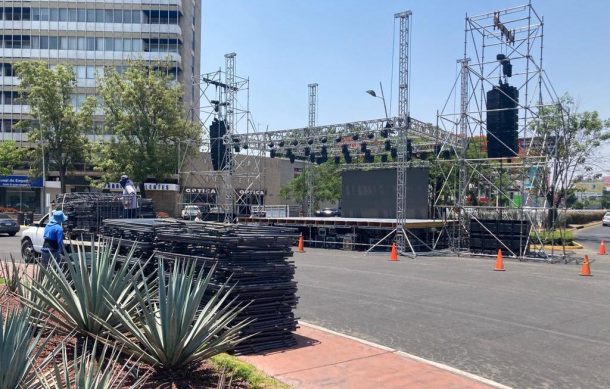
x: 407, y: 355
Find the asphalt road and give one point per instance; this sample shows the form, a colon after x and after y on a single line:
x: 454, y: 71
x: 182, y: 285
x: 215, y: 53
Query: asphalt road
x: 10, y: 246
x: 591, y: 236
x: 537, y: 325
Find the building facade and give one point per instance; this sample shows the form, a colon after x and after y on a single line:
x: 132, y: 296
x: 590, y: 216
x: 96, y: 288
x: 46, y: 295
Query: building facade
x: 92, y: 35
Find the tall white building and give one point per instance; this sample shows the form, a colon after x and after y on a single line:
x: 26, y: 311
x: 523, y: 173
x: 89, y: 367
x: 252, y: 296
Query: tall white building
x: 91, y: 35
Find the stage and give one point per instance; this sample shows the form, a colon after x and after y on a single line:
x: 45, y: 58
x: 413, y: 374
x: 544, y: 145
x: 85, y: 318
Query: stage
x: 331, y: 222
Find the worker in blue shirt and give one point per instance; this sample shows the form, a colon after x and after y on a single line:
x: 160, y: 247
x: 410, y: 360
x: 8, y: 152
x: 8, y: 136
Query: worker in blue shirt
x: 53, y: 245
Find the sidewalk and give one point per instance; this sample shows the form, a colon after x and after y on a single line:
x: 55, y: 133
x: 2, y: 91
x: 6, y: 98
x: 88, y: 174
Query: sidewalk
x: 323, y: 358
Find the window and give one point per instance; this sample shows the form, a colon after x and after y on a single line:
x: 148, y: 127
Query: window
x: 118, y: 44
x: 81, y: 72
x: 72, y: 43
x: 35, y: 13
x: 63, y: 14
x: 109, y: 16
x: 126, y: 16
x: 90, y: 16
x: 54, y: 14
x: 127, y: 45
x: 99, y: 44
x: 82, y: 15
x: 53, y: 42
x: 72, y: 15
x: 99, y: 16
x: 44, y: 42
x: 63, y: 43
x: 44, y: 14
x: 90, y: 44
x: 136, y: 17
x: 82, y: 43
x: 118, y: 16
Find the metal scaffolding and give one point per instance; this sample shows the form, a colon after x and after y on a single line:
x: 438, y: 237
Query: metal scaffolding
x: 499, y: 47
x: 313, y: 119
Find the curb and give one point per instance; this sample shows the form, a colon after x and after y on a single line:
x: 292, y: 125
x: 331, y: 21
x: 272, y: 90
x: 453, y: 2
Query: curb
x: 450, y: 369
x: 575, y: 246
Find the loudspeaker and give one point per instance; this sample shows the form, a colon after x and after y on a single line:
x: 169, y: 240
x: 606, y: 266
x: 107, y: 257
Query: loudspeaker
x: 218, y: 150
x: 502, y: 121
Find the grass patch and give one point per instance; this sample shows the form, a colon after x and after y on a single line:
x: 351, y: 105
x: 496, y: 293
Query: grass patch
x: 238, y: 369
x: 556, y: 238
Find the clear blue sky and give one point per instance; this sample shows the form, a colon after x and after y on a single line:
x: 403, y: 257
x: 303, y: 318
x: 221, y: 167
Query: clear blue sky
x: 346, y: 47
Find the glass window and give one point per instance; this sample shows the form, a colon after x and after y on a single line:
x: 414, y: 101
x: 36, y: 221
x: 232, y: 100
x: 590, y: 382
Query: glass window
x: 44, y: 42
x: 82, y: 15
x: 90, y: 44
x: 54, y: 14
x: 127, y: 45
x: 136, y: 17
x: 72, y: 16
x: 109, y: 44
x: 63, y: 14
x: 35, y: 13
x: 99, y: 16
x: 72, y: 43
x: 118, y: 44
x: 44, y: 14
x: 63, y: 43
x: 126, y: 16
x: 99, y: 44
x: 118, y: 16
x: 137, y: 45
x: 82, y: 43
x: 81, y: 72
x: 109, y: 16
x: 53, y: 42
x: 91, y: 72
x: 90, y: 15
x: 35, y: 42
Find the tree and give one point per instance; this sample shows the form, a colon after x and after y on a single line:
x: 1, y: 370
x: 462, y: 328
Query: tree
x: 55, y: 126
x: 11, y: 155
x: 574, y: 137
x: 326, y: 181
x: 144, y: 112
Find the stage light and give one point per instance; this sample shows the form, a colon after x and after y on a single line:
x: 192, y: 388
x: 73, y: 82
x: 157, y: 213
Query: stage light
x: 310, y: 141
x: 292, y: 157
x: 312, y: 157
x: 338, y: 139
x: 387, y: 145
x: 245, y: 146
x: 324, y: 150
x: 370, y: 135
x: 337, y: 160
x: 306, y: 151
x: 363, y: 147
x: 236, y: 148
x: 384, y: 133
x: 294, y: 142
x: 368, y: 158
x: 271, y: 145
x: 288, y: 151
x: 384, y: 158
x: 323, y: 139
x: 347, y: 157
x: 272, y: 153
x: 281, y: 143
x: 394, y: 153
x: 355, y: 137
x: 344, y: 149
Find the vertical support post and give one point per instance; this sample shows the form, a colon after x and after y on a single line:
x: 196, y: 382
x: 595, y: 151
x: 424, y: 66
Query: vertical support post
x: 313, y: 117
x: 463, y: 128
x: 229, y: 191
x: 402, y: 129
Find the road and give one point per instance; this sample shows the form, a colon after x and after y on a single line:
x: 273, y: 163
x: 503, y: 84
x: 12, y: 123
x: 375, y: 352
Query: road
x: 536, y: 325
x: 10, y: 246
x: 591, y: 236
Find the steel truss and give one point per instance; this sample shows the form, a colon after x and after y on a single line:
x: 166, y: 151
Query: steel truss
x: 225, y: 97
x: 517, y: 35
x: 313, y: 120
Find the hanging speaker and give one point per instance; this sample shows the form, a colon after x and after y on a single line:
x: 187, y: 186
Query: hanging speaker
x: 218, y: 150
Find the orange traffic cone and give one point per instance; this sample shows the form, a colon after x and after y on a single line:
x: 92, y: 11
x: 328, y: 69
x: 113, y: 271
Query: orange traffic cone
x: 602, y: 248
x: 394, y: 253
x: 585, y: 270
x: 301, y: 248
x: 499, y: 262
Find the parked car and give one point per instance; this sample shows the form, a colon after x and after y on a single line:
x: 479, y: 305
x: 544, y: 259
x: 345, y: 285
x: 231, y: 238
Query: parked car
x: 189, y: 212
x: 328, y: 212
x: 8, y: 225
x: 606, y: 219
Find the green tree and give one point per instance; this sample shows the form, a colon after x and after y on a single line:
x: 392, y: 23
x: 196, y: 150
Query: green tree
x: 326, y: 181
x: 576, y: 136
x: 145, y: 114
x: 56, y: 128
x: 11, y: 155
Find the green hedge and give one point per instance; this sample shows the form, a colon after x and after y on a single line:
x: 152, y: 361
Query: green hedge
x: 584, y: 217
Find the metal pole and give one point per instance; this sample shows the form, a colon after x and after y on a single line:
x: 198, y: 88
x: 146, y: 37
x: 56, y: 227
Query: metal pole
x: 383, y: 98
x: 313, y: 113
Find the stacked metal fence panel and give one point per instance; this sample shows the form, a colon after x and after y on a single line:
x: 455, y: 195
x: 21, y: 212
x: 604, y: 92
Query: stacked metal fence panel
x: 254, y: 258
x: 87, y: 210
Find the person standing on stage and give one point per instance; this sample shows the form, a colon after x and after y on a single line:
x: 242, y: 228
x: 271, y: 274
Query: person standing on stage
x: 129, y: 197
x: 53, y: 246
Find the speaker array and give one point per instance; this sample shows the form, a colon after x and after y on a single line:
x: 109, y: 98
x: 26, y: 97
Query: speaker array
x: 502, y: 120
x: 513, y: 233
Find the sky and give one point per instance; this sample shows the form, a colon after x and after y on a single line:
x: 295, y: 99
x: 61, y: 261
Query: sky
x: 346, y: 46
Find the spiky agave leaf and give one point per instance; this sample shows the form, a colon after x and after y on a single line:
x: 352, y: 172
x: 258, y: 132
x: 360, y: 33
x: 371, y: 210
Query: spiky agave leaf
x: 75, y: 290
x: 98, y: 368
x: 168, y: 328
x: 19, y: 348
x: 12, y: 274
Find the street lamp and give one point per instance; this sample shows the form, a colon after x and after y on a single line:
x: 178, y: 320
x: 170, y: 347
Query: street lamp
x: 382, y: 97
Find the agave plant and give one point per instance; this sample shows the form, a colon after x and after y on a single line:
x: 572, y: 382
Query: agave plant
x: 12, y: 274
x: 94, y: 369
x: 75, y: 291
x: 168, y: 328
x: 18, y: 349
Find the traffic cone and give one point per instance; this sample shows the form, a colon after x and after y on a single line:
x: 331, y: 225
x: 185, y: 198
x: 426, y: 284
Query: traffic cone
x: 602, y: 248
x: 394, y: 253
x: 499, y: 262
x: 301, y: 248
x: 585, y: 270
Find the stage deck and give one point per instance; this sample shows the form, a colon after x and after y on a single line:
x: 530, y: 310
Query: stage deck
x: 342, y: 222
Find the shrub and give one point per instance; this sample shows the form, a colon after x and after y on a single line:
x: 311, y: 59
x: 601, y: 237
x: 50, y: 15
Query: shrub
x: 12, y: 274
x: 168, y: 327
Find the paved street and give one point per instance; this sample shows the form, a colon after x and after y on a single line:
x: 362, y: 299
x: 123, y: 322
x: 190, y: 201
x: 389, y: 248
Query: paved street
x: 591, y: 236
x: 10, y: 245
x: 535, y: 325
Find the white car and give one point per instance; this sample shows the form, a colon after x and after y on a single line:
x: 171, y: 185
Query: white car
x: 606, y: 219
x: 190, y: 212
x: 32, y: 239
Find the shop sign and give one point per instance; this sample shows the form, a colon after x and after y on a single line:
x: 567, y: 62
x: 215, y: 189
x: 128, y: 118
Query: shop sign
x: 258, y: 192
x: 200, y: 190
x: 162, y: 187
x: 15, y: 181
